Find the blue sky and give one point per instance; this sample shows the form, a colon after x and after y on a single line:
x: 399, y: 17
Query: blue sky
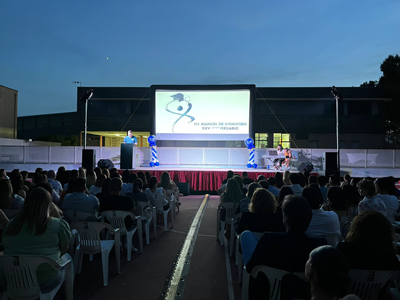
x: 47, y: 45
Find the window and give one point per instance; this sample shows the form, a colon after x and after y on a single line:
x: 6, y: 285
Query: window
x: 283, y: 139
x: 359, y: 108
x: 354, y: 145
x: 261, y: 140
x: 313, y: 144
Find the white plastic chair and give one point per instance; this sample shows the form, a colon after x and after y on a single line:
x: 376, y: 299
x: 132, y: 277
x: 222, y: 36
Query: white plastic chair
x: 22, y: 283
x: 73, y: 244
x: 116, y: 219
x: 73, y: 216
x: 239, y: 257
x: 90, y: 243
x: 366, y: 283
x: 230, y: 208
x: 142, y: 207
x: 274, y: 276
x: 171, y: 196
x: 159, y: 201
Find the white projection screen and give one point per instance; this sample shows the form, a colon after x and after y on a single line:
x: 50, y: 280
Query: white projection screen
x: 202, y: 113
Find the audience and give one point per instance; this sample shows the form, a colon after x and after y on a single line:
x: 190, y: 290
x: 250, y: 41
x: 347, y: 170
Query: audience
x: 137, y: 192
x: 295, y: 183
x: 79, y: 200
x: 336, y: 201
x: 322, y: 186
x: 275, y: 191
x: 7, y: 198
x: 334, y: 180
x: 367, y: 190
x: 3, y: 219
x: 169, y: 187
x: 286, y: 251
x: 55, y: 184
x: 246, y: 179
x: 260, y: 216
x: 141, y: 175
x: 153, y: 190
x: 352, y: 199
x: 382, y: 186
x: 233, y: 192
x: 18, y: 186
x: 283, y: 192
x: 25, y: 178
x: 327, y: 271
x: 127, y: 187
x: 97, y: 187
x: 91, y: 179
x: 286, y: 180
x: 323, y: 223
x: 369, y: 243
x: 244, y: 203
x: 38, y: 230
x: 346, y: 179
x: 278, y: 180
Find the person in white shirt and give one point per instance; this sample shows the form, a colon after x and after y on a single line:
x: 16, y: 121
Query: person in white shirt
x: 323, y: 223
x: 295, y: 184
x: 392, y: 203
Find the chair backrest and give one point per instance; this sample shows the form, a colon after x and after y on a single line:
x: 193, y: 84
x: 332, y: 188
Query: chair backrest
x: 20, y: 272
x: 366, y: 283
x: 89, y: 235
x: 230, y: 208
x: 275, y: 279
x: 169, y: 193
x: 144, y: 209
x: 390, y: 213
x: 333, y: 239
x: 73, y: 216
x: 159, y: 202
x: 116, y: 218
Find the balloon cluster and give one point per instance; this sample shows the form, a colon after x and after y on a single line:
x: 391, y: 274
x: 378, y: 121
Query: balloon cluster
x: 153, y: 146
x: 250, y: 145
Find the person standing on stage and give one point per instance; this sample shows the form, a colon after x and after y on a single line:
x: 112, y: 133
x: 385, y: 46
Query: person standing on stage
x: 130, y: 139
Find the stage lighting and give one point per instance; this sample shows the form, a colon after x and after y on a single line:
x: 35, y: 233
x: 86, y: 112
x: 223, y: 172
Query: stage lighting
x: 85, y: 97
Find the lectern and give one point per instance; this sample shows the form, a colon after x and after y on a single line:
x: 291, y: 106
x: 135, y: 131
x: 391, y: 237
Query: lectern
x: 127, y: 156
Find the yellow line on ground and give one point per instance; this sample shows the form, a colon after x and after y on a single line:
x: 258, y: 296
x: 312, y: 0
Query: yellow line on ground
x: 176, y: 277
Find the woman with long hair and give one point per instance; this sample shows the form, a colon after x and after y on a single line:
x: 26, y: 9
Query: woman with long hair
x: 169, y: 187
x: 233, y: 192
x: 278, y: 180
x: 260, y: 217
x: 286, y: 180
x: 153, y: 190
x: 17, y: 182
x: 38, y: 229
x: 7, y: 197
x: 369, y: 243
x: 97, y: 187
x: 366, y: 188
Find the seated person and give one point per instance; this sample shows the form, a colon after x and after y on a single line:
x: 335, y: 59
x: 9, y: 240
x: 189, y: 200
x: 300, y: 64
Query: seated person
x: 323, y: 223
x: 244, y: 203
x: 367, y: 190
x: 260, y: 217
x: 391, y: 202
x: 169, y: 187
x: 127, y: 187
x: 271, y: 187
x: 3, y: 219
x: 336, y: 201
x: 153, y: 190
x: 286, y: 251
x: 96, y: 188
x: 37, y: 224
x: 369, y: 243
x: 295, y: 183
x: 245, y: 178
x: 222, y: 188
x: 79, y: 200
x: 327, y: 270
x: 114, y: 201
x: 137, y: 192
x: 55, y: 184
x: 7, y: 197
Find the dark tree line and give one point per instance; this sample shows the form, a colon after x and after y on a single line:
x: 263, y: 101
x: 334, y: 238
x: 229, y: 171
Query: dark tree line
x: 390, y: 83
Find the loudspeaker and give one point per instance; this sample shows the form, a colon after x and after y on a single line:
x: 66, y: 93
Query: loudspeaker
x: 184, y: 188
x: 305, y: 166
x: 105, y: 164
x: 330, y: 163
x: 89, y: 159
x: 127, y: 156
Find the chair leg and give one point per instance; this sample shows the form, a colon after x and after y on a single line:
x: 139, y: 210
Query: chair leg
x: 237, y: 251
x: 240, y: 266
x: 221, y: 234
x: 232, y: 239
x: 165, y: 220
x: 147, y: 228
x: 90, y: 257
x: 140, y: 234
x: 128, y: 247
x: 104, y: 261
x: 245, y: 285
x: 155, y: 225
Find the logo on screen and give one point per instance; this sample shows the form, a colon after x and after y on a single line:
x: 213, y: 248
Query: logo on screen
x: 176, y: 107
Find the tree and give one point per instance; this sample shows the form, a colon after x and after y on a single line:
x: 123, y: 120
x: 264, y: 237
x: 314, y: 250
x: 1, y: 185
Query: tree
x: 390, y: 83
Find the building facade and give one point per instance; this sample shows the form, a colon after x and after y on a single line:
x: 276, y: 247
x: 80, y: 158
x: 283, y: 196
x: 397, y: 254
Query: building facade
x: 294, y: 117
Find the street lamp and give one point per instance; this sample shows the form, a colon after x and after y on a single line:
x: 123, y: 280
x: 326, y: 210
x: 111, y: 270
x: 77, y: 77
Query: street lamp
x: 86, y: 97
x: 338, y: 97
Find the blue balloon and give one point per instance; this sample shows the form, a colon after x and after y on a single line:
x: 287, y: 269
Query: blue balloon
x: 151, y: 164
x: 152, y: 140
x: 249, y: 143
x: 255, y: 166
x: 249, y: 165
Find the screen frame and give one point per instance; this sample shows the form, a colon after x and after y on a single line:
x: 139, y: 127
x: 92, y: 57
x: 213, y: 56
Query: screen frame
x: 225, y: 87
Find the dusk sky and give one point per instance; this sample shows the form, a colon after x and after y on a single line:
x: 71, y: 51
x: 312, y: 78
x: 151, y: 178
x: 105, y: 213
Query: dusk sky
x: 47, y: 45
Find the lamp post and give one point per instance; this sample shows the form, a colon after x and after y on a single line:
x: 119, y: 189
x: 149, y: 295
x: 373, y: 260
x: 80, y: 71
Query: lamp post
x: 86, y: 97
x: 338, y: 97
